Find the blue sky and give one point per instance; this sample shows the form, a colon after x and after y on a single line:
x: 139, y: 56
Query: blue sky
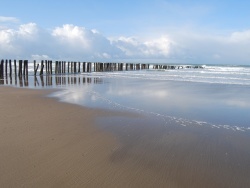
x: 166, y: 31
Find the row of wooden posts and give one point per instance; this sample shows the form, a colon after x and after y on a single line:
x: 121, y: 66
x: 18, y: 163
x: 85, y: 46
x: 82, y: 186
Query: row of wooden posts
x: 177, y: 66
x: 22, y: 67
x: 61, y: 67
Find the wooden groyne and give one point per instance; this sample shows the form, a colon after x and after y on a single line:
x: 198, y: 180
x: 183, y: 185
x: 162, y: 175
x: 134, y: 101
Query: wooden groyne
x: 48, y: 67
x: 168, y: 67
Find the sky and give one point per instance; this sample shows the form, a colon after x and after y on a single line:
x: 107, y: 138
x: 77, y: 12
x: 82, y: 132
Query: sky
x: 149, y: 31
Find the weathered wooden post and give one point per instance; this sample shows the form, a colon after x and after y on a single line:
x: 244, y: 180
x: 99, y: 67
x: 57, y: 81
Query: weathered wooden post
x: 64, y: 64
x: 24, y: 67
x: 74, y: 67
x: 88, y: 67
x: 71, y: 67
x: 46, y: 66
x: 94, y: 67
x: 97, y: 66
x: 60, y: 67
x: 84, y: 67
x: 25, y: 70
x: 68, y: 66
x: 100, y: 67
x: 42, y: 66
x: 36, y: 69
x: 6, y: 67
x: 50, y: 66
x: 15, y: 66
x: 79, y: 66
x: 56, y: 67
x: 10, y: 67
x: 20, y: 68
x: 34, y: 66
x: 1, y: 68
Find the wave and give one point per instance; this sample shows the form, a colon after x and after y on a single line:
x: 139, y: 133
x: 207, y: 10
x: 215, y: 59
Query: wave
x: 217, y: 75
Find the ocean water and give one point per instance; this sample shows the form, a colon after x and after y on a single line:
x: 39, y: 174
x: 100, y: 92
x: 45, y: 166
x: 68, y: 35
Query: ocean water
x: 215, y: 96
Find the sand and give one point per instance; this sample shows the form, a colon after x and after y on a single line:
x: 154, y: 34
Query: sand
x: 46, y: 143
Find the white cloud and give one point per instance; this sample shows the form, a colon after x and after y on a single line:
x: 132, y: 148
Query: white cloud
x: 203, y: 48
x: 153, y: 48
x: 70, y: 42
x: 39, y: 57
x: 159, y: 46
x: 72, y: 34
x: 8, y: 19
x: 243, y: 36
x: 28, y: 30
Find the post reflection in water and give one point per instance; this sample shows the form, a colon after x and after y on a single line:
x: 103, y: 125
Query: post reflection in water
x: 49, y: 80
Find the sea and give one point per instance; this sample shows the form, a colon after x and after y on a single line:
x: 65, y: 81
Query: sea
x: 211, y: 95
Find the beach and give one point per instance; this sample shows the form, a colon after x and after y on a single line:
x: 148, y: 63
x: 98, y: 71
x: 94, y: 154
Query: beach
x: 47, y: 143
x: 44, y: 143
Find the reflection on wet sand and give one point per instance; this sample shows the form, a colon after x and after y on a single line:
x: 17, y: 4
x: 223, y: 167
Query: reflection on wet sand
x: 49, y: 80
x: 19, y: 81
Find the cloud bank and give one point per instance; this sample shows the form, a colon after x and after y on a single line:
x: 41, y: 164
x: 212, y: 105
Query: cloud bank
x: 71, y: 42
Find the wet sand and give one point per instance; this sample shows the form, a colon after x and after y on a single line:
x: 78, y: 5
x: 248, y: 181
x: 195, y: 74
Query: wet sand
x: 45, y: 143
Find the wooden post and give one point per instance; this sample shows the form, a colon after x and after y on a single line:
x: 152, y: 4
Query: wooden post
x: 42, y: 66
x: 79, y: 67
x: 102, y: 67
x: 6, y: 67
x: 74, y: 67
x: 34, y: 66
x: 36, y: 69
x: 1, y: 68
x: 24, y: 67
x: 83, y: 67
x: 10, y: 67
x: 51, y: 67
x: 60, y: 67
x: 20, y: 68
x: 56, y: 66
x: 25, y: 70
x: 87, y: 66
x: 46, y: 66
x: 64, y: 64
x: 68, y: 66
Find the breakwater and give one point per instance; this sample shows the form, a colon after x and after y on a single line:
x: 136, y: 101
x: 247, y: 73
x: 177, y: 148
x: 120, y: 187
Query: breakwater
x: 48, y: 67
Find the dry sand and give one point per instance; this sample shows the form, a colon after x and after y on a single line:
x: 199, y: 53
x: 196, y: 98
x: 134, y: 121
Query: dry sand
x: 45, y: 143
